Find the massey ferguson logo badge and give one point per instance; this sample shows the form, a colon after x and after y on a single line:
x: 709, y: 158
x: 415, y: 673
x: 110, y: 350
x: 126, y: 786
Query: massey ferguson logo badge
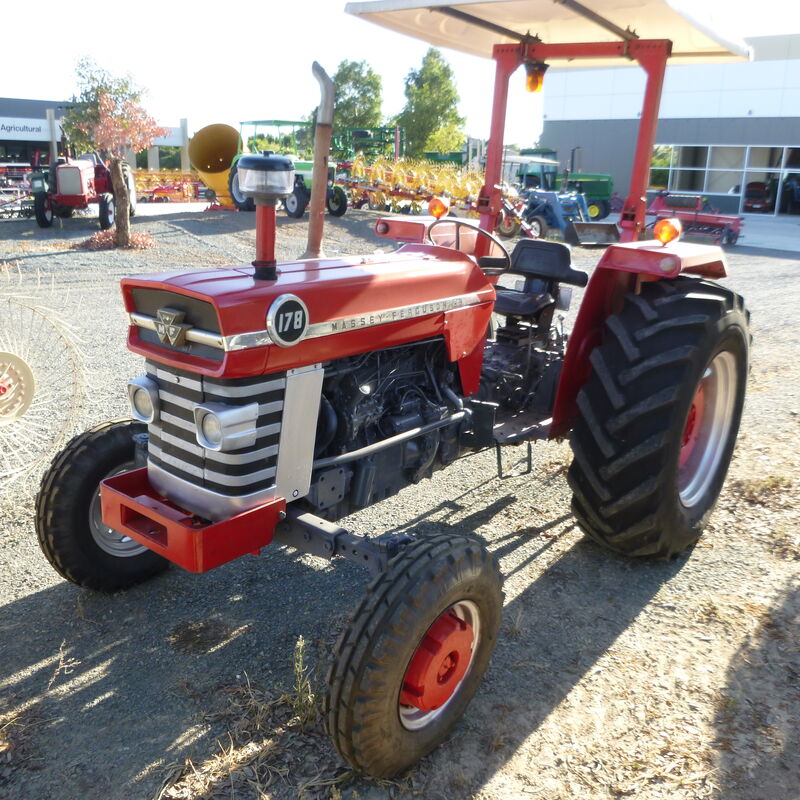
x: 170, y: 326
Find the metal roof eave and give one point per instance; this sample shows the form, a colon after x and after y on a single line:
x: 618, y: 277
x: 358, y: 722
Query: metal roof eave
x: 474, y: 26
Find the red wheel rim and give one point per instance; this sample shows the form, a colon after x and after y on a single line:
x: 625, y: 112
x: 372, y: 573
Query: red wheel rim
x: 439, y: 665
x: 694, y: 424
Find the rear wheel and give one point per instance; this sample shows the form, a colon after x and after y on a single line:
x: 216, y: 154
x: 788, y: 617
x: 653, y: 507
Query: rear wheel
x: 414, y: 653
x: 130, y: 182
x: 241, y: 201
x: 43, y: 209
x: 659, y: 416
x: 106, y: 213
x: 69, y: 523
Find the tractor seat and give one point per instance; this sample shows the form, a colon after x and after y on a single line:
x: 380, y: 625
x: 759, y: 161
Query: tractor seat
x: 537, y: 258
x: 514, y: 303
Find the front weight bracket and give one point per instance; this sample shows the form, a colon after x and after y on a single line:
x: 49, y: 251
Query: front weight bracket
x: 319, y: 537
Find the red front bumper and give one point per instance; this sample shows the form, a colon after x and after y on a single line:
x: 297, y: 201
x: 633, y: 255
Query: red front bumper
x: 133, y: 507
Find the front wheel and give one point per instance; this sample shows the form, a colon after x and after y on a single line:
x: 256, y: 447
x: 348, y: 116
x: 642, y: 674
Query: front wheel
x: 106, y: 214
x: 538, y: 227
x: 240, y: 200
x: 507, y: 225
x: 336, y: 202
x: 43, y: 209
x: 295, y: 204
x: 69, y: 522
x: 659, y: 415
x: 598, y: 209
x: 414, y: 653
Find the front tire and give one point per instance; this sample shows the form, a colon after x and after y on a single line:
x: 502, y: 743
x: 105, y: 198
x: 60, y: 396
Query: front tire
x: 507, y: 225
x: 107, y: 213
x: 413, y: 654
x: 538, y: 226
x: 241, y: 201
x: 43, y: 209
x: 659, y: 415
x: 68, y: 521
x: 336, y: 202
x: 295, y: 204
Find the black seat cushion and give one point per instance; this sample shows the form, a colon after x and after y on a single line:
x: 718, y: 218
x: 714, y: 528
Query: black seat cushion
x: 511, y: 302
x: 545, y: 259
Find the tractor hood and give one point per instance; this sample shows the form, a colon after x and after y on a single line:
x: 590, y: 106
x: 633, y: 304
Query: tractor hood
x: 225, y: 323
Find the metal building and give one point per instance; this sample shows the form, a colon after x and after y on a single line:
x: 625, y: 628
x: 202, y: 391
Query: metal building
x: 729, y: 132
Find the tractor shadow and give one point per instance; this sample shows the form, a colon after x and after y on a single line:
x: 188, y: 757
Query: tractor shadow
x: 137, y: 679
x: 758, y: 732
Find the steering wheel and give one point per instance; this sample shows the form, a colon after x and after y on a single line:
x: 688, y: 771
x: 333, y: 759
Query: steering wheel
x: 491, y: 265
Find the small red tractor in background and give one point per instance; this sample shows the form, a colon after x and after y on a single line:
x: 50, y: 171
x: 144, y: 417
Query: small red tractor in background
x: 278, y: 398
x: 73, y: 184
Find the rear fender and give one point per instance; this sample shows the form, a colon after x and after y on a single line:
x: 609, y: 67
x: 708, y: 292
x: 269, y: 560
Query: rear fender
x: 622, y: 269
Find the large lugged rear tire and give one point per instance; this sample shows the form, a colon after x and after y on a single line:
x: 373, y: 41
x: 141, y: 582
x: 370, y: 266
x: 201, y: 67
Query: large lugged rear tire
x: 413, y: 654
x: 68, y: 521
x: 106, y: 213
x: 659, y: 416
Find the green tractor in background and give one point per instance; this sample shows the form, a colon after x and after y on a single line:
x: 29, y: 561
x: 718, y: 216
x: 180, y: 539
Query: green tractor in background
x: 294, y: 138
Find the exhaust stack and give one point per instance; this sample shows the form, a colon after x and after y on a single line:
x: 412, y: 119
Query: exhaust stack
x: 319, y: 178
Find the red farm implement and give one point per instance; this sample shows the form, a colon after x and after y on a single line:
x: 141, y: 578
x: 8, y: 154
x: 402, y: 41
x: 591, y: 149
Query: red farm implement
x: 277, y: 398
x: 696, y: 217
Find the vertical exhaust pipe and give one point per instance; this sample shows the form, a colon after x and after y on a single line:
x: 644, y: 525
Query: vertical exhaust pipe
x: 319, y: 177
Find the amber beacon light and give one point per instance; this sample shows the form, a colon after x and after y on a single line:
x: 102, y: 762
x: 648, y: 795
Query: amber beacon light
x: 534, y: 75
x: 667, y: 230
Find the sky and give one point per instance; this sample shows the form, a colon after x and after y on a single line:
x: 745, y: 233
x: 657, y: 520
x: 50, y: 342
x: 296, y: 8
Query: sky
x: 227, y: 63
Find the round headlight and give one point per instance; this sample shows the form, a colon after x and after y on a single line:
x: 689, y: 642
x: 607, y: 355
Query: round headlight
x: 142, y: 404
x: 211, y: 429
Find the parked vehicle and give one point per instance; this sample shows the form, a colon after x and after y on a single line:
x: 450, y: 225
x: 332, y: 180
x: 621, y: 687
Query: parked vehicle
x: 278, y: 398
x: 74, y: 184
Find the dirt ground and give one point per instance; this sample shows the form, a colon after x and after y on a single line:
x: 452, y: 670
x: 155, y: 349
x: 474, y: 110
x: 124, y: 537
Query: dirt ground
x: 611, y: 679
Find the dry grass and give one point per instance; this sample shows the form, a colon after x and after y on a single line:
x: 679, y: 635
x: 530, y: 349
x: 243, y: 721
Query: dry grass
x: 269, y: 738
x: 761, y: 490
x: 107, y: 240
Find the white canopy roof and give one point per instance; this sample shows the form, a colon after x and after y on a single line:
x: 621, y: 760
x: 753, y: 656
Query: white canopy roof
x: 691, y: 26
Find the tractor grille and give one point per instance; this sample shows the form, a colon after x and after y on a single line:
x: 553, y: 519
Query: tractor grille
x: 174, y: 448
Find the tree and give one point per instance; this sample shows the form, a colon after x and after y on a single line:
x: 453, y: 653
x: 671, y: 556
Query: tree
x: 431, y: 102
x: 357, y: 103
x: 448, y: 139
x: 107, y: 116
x: 357, y: 100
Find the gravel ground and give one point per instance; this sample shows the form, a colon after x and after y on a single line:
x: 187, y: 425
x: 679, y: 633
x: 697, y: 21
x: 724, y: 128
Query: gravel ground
x: 611, y: 679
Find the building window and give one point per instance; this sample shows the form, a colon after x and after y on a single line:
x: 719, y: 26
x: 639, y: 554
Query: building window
x: 738, y: 179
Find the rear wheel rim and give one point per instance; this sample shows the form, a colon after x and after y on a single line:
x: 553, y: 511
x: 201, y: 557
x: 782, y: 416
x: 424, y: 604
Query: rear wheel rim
x: 449, y: 668
x: 107, y: 539
x: 707, y: 429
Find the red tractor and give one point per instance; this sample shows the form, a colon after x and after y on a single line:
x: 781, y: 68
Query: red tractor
x: 75, y: 183
x: 278, y: 398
